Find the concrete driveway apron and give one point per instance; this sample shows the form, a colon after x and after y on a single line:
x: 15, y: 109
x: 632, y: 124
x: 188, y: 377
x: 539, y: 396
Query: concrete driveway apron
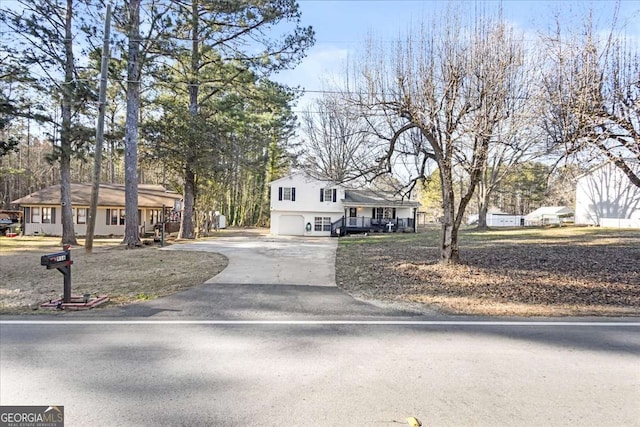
x: 259, y: 259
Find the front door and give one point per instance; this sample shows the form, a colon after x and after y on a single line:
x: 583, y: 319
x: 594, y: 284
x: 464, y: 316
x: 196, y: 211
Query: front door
x: 353, y: 217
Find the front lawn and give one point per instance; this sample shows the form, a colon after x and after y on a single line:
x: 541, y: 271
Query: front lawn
x: 520, y: 272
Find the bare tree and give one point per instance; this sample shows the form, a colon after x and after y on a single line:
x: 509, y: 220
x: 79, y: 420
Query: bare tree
x: 517, y: 138
x: 592, y: 96
x: 447, y: 84
x: 335, y: 141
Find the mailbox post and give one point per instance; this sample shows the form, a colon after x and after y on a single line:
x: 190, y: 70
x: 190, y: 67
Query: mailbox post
x: 62, y: 262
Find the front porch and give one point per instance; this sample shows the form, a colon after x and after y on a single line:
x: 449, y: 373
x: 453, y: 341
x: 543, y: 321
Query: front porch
x: 356, y: 225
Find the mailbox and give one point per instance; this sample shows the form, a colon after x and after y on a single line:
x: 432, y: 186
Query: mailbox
x: 61, y: 261
x: 56, y: 260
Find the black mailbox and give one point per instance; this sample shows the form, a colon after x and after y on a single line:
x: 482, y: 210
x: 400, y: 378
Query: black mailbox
x: 61, y: 261
x: 56, y: 260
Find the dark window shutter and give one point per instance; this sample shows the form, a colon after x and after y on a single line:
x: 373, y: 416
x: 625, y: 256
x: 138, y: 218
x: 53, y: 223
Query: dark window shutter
x: 293, y: 194
x: 53, y: 215
x: 279, y: 193
x: 373, y: 212
x: 27, y: 215
x: 335, y: 195
x: 108, y: 216
x: 322, y: 194
x: 393, y: 213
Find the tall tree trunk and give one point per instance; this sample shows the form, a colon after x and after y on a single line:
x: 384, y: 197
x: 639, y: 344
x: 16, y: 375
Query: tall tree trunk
x: 186, y: 226
x: 449, y: 253
x: 97, y: 166
x: 131, y: 233
x: 112, y: 160
x: 483, y: 204
x: 68, y: 233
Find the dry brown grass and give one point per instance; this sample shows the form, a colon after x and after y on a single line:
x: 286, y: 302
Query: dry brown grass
x: 522, y: 272
x: 125, y: 275
x: 519, y: 272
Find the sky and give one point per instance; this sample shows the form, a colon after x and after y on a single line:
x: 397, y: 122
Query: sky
x: 342, y: 26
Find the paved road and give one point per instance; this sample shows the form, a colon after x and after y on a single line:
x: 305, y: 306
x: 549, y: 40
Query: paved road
x: 128, y: 374
x: 273, y: 353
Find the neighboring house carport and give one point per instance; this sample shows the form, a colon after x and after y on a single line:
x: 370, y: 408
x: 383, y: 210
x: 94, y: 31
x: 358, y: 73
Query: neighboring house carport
x: 549, y: 215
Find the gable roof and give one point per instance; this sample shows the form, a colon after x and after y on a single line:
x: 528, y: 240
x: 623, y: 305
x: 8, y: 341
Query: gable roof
x: 109, y: 195
x: 374, y: 199
x: 633, y: 163
x: 354, y: 198
x: 304, y: 176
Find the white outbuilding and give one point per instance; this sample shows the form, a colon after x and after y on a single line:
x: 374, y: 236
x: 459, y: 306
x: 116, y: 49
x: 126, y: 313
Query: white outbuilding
x: 549, y: 215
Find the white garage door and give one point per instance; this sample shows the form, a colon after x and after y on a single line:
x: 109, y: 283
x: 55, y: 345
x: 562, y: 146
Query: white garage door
x: 291, y: 225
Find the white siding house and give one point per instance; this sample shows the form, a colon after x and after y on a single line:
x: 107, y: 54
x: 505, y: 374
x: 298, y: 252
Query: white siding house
x: 304, y: 206
x: 606, y: 197
x: 42, y: 211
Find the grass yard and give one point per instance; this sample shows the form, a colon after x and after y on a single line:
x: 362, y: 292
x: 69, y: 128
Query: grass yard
x: 565, y: 271
x: 517, y: 272
x: 125, y: 275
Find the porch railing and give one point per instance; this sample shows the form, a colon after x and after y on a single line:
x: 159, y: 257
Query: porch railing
x: 361, y: 223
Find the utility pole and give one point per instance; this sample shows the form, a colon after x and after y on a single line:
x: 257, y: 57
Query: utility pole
x: 97, y: 165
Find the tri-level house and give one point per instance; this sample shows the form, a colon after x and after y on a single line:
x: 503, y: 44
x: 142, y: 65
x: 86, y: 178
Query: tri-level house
x: 304, y: 206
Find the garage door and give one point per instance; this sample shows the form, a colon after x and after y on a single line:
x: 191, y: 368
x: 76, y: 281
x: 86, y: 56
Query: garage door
x: 291, y: 225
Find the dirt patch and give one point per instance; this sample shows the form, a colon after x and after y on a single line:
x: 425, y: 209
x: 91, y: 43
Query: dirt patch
x: 125, y: 275
x: 524, y: 272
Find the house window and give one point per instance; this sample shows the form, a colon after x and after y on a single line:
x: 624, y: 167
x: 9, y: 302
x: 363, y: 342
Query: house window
x: 287, y: 193
x: 322, y: 223
x: 155, y: 216
x: 385, y: 213
x: 121, y: 216
x: 81, y: 217
x: 112, y: 216
x: 46, y: 215
x: 35, y: 215
x: 328, y: 195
